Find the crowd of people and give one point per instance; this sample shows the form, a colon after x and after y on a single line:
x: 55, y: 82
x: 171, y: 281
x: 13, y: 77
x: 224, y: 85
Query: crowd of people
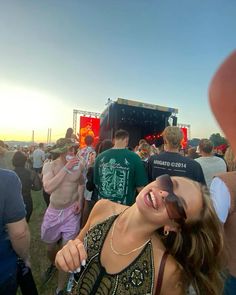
x: 147, y: 220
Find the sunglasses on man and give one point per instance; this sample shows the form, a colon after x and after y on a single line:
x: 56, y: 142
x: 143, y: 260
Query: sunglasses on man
x: 173, y: 204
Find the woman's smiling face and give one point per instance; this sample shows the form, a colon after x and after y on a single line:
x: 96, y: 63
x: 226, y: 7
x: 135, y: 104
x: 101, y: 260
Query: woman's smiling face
x: 185, y: 202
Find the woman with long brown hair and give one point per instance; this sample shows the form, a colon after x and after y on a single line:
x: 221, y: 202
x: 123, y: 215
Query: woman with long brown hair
x: 168, y: 240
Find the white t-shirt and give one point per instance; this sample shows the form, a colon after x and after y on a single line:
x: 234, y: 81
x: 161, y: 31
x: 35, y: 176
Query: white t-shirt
x: 211, y: 166
x: 221, y: 198
x: 38, y: 158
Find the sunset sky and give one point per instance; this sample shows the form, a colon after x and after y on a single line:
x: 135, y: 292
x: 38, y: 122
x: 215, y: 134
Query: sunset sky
x: 60, y: 55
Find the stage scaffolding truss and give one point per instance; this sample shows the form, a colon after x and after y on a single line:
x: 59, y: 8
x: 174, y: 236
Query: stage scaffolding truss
x: 84, y: 113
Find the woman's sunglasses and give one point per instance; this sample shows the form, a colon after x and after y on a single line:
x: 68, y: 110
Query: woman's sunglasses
x: 173, y: 204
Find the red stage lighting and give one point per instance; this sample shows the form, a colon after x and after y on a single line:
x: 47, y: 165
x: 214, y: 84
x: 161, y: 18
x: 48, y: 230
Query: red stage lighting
x: 184, y: 141
x: 89, y: 126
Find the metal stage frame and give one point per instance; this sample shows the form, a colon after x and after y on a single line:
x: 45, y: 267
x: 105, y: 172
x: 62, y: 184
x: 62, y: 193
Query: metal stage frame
x: 84, y: 113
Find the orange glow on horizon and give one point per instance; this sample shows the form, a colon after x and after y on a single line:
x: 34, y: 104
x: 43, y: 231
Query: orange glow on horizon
x: 26, y: 109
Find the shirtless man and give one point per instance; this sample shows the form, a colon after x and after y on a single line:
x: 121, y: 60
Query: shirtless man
x: 63, y: 179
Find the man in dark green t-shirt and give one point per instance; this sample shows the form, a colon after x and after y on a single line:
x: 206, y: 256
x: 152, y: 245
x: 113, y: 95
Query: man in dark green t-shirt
x: 119, y: 172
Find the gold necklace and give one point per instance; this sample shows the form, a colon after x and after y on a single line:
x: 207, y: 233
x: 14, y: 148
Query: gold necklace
x: 111, y: 241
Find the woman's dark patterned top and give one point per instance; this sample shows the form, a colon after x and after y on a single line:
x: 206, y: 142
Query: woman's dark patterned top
x: 136, y: 279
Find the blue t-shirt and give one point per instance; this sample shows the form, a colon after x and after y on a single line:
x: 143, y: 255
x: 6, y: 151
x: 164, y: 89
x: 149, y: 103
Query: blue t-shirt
x: 12, y: 209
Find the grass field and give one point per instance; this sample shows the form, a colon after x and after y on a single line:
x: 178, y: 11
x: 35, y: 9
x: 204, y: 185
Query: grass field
x: 39, y: 260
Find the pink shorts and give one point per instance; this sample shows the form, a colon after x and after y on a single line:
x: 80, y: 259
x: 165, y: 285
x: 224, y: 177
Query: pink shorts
x: 59, y: 224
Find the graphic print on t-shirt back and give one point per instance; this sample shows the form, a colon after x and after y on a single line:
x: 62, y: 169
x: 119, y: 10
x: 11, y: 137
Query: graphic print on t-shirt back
x: 114, y: 178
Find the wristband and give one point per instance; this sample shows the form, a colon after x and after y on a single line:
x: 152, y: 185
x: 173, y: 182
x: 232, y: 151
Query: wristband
x: 67, y: 170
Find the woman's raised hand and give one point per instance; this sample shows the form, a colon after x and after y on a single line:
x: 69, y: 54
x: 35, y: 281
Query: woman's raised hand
x: 71, y: 256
